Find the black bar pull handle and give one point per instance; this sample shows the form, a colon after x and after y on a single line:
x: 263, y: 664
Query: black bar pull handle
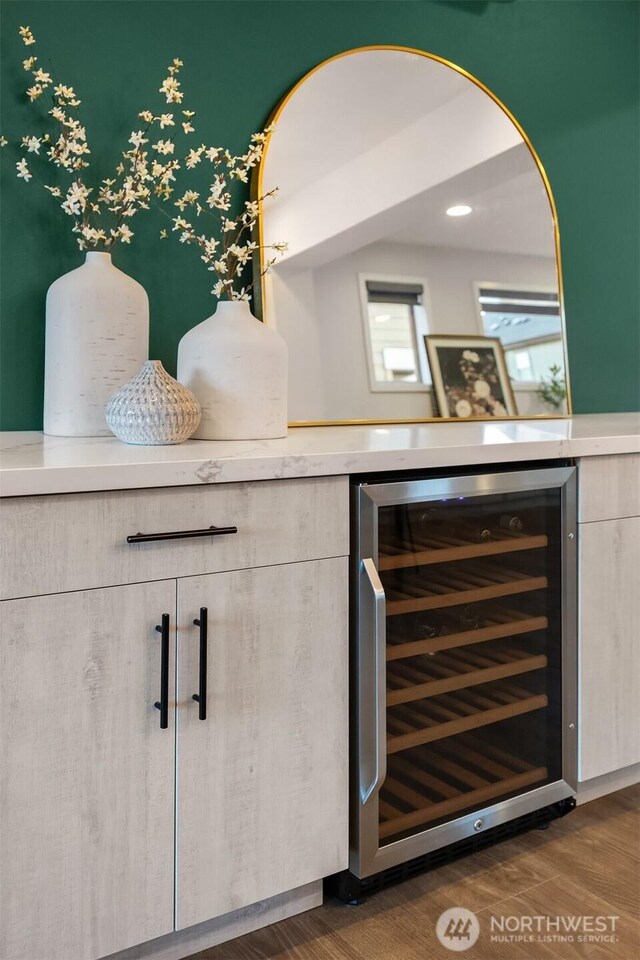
x: 163, y: 703
x: 201, y: 695
x: 180, y: 534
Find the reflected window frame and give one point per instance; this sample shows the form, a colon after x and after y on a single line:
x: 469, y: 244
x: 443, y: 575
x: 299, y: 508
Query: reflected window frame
x: 525, y: 344
x: 421, y: 314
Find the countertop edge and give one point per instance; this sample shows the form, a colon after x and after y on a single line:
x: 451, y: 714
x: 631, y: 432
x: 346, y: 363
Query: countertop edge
x: 366, y: 450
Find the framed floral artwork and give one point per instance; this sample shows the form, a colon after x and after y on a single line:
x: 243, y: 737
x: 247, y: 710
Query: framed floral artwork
x: 469, y: 377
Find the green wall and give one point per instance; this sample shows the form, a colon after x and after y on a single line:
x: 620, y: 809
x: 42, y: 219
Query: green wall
x: 568, y: 70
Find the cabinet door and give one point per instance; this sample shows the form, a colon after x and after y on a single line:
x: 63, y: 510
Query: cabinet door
x: 609, y: 646
x: 263, y: 781
x: 87, y: 775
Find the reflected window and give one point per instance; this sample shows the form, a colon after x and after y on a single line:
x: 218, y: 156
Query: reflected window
x: 393, y: 343
x: 529, y: 325
x: 396, y: 323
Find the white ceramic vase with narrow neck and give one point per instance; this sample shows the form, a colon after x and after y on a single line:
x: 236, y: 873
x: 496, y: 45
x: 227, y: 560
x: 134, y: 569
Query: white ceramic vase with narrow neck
x: 237, y: 368
x: 97, y: 338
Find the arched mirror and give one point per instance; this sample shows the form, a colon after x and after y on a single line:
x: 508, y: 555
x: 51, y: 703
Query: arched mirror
x: 422, y: 277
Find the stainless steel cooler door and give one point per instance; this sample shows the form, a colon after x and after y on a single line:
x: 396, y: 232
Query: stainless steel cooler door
x: 465, y: 632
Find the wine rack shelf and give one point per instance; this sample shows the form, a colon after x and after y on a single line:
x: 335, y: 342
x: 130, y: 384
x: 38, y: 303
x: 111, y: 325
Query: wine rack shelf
x: 423, y: 721
x: 429, y: 676
x: 468, y: 583
x: 398, y: 554
x: 509, y: 623
x: 446, y: 779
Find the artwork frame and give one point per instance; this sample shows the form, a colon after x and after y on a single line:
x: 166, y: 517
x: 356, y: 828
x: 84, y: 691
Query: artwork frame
x: 455, y: 376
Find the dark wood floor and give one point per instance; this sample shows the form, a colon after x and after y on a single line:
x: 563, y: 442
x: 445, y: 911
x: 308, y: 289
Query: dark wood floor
x: 587, y: 863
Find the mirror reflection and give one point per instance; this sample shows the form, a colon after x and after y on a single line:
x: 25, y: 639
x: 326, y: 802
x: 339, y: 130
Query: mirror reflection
x: 421, y: 276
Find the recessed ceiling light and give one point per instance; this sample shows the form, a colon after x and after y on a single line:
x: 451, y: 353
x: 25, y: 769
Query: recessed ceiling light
x: 461, y: 210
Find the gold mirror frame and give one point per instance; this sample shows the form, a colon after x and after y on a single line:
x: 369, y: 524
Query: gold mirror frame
x: 257, y: 185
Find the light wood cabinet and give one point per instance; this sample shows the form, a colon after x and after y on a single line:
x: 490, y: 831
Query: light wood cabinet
x: 87, y: 775
x: 75, y: 541
x: 609, y: 646
x: 262, y: 783
x: 609, y: 487
x: 609, y: 631
x: 88, y: 814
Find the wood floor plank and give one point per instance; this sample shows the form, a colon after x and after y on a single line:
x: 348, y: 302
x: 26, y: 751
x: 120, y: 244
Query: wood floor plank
x: 588, y: 857
x: 585, y: 863
x: 564, y: 897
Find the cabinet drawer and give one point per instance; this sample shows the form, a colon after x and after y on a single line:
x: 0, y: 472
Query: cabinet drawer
x: 609, y: 487
x: 51, y: 544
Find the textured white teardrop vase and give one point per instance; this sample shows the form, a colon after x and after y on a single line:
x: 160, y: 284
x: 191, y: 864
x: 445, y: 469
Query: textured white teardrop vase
x: 97, y: 338
x: 153, y: 408
x: 237, y: 368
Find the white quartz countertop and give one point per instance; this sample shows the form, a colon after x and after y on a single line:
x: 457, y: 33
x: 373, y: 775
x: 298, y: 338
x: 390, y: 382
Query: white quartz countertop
x: 31, y: 463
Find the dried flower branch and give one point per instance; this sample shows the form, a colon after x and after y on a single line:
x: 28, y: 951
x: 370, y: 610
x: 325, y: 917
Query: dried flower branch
x: 228, y: 248
x: 98, y: 215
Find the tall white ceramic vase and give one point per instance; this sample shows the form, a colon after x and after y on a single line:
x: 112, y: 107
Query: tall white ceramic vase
x: 97, y: 338
x: 237, y: 368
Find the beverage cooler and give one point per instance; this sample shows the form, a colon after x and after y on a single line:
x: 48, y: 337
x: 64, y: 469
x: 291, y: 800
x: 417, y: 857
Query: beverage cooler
x: 464, y: 664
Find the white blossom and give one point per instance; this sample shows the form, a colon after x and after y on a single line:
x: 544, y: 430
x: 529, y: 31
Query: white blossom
x: 170, y: 88
x: 93, y: 235
x: 42, y: 77
x: 63, y: 92
x: 27, y: 36
x: 164, y: 146
x: 241, y: 294
x: 78, y: 148
x: 137, y: 139
x: 123, y: 233
x: 241, y: 254
x: 76, y: 198
x: 239, y: 173
x: 32, y: 144
x: 228, y: 253
x: 210, y: 246
x: 193, y: 158
x: 23, y: 170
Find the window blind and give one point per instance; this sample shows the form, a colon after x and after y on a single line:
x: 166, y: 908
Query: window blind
x: 382, y: 291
